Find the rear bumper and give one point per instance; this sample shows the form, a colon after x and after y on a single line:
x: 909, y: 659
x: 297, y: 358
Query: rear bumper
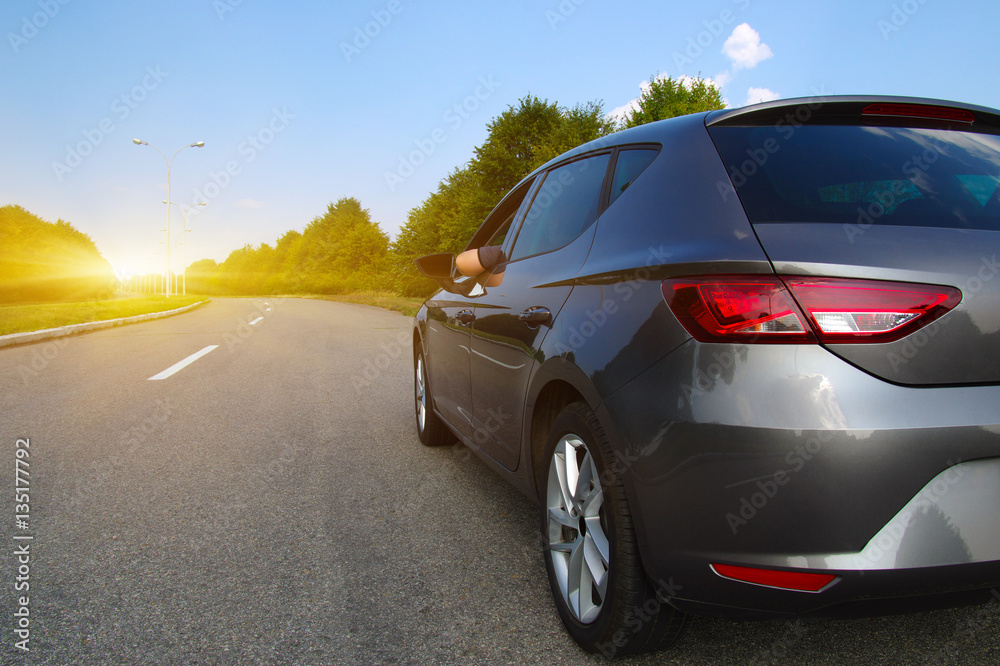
x: 941, y: 549
x: 786, y: 457
x: 855, y: 594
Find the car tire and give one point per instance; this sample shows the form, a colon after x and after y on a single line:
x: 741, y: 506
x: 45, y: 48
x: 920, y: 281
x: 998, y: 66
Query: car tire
x: 430, y: 429
x: 600, y: 587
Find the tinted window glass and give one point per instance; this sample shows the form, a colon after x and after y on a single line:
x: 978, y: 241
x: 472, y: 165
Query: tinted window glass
x: 630, y: 164
x: 565, y: 205
x: 864, y: 175
x: 501, y: 234
x: 494, y: 229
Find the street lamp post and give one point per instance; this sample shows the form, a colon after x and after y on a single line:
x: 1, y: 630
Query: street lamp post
x: 184, y: 230
x: 166, y: 286
x: 196, y: 144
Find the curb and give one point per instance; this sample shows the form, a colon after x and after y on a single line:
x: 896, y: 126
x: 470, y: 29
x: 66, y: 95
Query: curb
x: 73, y: 329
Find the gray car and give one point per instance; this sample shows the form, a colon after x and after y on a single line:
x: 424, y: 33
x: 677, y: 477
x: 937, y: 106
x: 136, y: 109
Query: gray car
x: 747, y: 362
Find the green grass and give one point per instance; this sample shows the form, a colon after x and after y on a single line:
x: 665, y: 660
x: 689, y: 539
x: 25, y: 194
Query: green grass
x: 23, y: 318
x: 387, y: 300
x: 35, y: 317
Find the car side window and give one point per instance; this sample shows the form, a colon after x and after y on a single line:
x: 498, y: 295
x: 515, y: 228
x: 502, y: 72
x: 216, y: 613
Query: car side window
x: 566, y: 203
x: 500, y: 236
x: 629, y: 165
x: 493, y: 230
x: 487, y: 257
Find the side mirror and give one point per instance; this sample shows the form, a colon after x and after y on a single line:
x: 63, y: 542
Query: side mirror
x: 441, y: 269
x: 437, y: 266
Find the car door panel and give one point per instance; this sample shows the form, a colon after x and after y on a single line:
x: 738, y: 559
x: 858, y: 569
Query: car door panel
x: 448, y: 369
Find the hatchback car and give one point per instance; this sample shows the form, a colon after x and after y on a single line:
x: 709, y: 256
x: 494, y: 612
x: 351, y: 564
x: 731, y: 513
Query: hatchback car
x: 747, y: 362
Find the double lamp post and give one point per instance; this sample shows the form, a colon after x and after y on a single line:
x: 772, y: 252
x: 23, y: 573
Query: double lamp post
x: 197, y: 144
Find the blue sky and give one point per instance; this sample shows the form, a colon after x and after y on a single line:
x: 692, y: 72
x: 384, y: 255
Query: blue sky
x: 302, y: 103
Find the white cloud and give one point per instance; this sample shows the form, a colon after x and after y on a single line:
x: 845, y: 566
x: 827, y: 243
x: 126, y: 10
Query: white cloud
x: 744, y: 48
x: 618, y: 113
x: 249, y: 203
x: 722, y: 78
x: 757, y: 95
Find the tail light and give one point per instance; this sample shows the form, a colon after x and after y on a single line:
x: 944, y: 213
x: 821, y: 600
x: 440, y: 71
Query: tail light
x: 769, y: 309
x: 801, y: 581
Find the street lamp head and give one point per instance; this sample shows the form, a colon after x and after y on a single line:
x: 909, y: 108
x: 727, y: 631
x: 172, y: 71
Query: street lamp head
x: 139, y: 142
x: 164, y: 201
x: 198, y: 144
x: 201, y: 203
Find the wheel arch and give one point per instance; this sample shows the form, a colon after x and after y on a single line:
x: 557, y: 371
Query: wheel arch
x: 419, y: 330
x: 557, y: 384
x: 418, y: 341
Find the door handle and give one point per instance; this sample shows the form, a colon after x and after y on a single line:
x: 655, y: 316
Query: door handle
x: 466, y: 317
x: 536, y: 316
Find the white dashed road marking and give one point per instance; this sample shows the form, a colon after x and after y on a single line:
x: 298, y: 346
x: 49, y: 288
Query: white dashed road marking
x: 183, y: 364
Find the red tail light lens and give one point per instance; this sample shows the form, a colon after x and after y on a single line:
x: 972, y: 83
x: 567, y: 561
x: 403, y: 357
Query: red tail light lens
x: 798, y: 310
x: 800, y: 581
x: 870, y: 311
x: 733, y: 308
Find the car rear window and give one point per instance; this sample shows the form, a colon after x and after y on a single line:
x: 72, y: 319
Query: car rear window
x: 629, y: 165
x: 866, y: 175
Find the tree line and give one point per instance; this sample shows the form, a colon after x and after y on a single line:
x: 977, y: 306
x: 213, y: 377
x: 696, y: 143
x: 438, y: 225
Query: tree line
x: 44, y: 261
x: 345, y: 251
x: 339, y: 252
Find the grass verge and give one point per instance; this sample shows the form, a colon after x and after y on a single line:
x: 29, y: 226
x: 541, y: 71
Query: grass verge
x: 25, y: 318
x: 408, y: 305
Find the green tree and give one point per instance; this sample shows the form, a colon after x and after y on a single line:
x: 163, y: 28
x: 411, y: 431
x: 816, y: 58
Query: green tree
x: 520, y: 139
x: 282, y: 267
x: 511, y: 151
x: 582, y: 123
x: 340, y: 251
x: 668, y: 98
x: 48, y: 261
x: 240, y: 273
x: 203, y: 277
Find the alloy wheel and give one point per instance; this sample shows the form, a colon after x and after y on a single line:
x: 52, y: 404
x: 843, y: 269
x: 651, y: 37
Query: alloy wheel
x: 420, y: 394
x: 577, y: 536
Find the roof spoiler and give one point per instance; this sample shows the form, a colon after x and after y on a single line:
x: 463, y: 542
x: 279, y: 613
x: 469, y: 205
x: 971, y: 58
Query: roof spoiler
x: 852, y: 108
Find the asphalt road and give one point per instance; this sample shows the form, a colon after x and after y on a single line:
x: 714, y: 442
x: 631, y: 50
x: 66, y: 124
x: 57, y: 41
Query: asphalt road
x: 270, y: 503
